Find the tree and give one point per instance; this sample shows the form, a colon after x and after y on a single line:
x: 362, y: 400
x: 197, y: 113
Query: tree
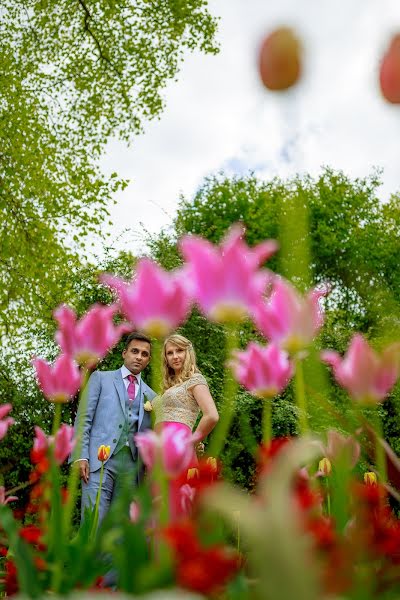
x: 73, y: 75
x: 354, y: 242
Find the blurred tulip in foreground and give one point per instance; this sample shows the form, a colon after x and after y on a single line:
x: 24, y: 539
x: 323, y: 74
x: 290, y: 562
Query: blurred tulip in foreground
x: 227, y: 284
x: 5, y: 421
x: 173, y: 446
x: 389, y: 74
x: 156, y: 301
x: 59, y: 382
x: 280, y: 59
x: 366, y: 375
x: 63, y: 444
x: 89, y: 339
x: 264, y: 371
x: 342, y: 446
x: 289, y: 319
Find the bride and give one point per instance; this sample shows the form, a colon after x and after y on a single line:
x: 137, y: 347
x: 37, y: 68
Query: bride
x: 186, y: 393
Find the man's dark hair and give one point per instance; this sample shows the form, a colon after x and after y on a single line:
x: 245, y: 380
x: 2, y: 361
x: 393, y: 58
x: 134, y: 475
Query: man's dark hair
x: 136, y: 335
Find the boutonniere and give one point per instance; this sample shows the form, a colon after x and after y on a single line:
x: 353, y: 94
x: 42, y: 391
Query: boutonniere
x: 148, y: 407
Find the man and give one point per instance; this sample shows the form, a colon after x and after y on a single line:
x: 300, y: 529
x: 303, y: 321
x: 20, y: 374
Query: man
x: 115, y: 412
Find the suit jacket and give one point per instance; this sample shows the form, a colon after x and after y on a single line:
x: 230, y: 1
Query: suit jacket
x: 105, y: 414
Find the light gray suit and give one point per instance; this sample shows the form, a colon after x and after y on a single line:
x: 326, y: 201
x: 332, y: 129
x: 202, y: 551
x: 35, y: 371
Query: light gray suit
x: 108, y: 418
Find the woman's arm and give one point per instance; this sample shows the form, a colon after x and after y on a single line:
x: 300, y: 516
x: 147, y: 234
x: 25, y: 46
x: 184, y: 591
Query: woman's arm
x: 207, y: 406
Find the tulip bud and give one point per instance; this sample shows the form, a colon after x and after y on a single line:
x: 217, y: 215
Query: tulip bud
x: 325, y: 466
x: 370, y: 478
x: 134, y: 512
x: 192, y: 473
x: 103, y: 453
x: 280, y: 59
x: 389, y: 74
x: 212, y: 462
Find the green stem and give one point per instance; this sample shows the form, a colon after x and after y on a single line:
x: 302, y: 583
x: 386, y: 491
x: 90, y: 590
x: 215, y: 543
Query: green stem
x: 56, y: 418
x: 156, y: 366
x: 301, y: 397
x: 380, y: 457
x: 96, y: 506
x: 227, y: 406
x: 267, y: 421
x: 73, y: 479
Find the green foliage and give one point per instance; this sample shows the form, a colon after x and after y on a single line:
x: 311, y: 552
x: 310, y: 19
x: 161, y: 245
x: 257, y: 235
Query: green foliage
x: 353, y: 243
x: 73, y: 76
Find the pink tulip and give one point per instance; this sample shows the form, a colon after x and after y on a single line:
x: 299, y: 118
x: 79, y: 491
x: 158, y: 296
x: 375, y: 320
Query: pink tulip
x: 288, y: 319
x: 3, y: 499
x: 134, y: 512
x: 5, y: 421
x: 264, y: 371
x: 173, y: 446
x: 187, y: 494
x: 156, y: 301
x: 59, y: 382
x: 339, y: 446
x: 89, y: 339
x: 63, y: 443
x: 366, y: 375
x: 227, y: 284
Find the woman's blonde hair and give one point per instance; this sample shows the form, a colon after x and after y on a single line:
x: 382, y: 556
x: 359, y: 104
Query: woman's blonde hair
x: 189, y: 367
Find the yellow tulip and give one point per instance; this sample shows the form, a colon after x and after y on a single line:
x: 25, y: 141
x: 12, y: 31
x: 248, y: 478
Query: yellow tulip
x: 370, y: 478
x: 325, y: 466
x: 103, y: 453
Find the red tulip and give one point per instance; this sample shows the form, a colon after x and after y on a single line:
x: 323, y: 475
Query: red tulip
x: 389, y: 74
x: 280, y: 59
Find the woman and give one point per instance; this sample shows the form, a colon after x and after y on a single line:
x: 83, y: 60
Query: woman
x: 185, y: 394
x: 186, y: 391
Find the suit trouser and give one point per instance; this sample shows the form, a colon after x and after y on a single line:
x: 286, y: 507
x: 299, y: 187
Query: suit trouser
x: 118, y: 469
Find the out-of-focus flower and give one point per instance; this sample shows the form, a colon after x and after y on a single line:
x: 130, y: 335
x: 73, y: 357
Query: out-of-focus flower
x: 370, y: 478
x: 340, y: 447
x: 227, y: 282
x: 280, y: 59
x: 63, y: 443
x: 366, y: 375
x: 156, y: 301
x: 264, y: 371
x: 148, y: 407
x: 89, y: 339
x: 288, y: 319
x: 324, y: 467
x: 134, y: 512
x: 59, y: 382
x: 103, y: 453
x: 173, y: 446
x: 389, y: 74
x: 192, y: 473
x: 212, y: 463
x: 187, y: 494
x: 202, y: 569
x: 6, y: 499
x: 5, y: 421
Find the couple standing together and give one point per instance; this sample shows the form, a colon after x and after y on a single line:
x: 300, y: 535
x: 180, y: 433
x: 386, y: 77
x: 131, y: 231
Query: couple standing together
x: 116, y: 411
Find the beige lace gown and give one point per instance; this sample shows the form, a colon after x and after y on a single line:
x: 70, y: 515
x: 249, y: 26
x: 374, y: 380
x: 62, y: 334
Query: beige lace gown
x: 177, y: 404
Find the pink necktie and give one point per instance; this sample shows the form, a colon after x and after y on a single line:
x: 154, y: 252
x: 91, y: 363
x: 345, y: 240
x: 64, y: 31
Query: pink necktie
x: 131, y: 387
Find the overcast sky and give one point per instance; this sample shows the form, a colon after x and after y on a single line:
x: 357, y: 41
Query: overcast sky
x: 219, y: 117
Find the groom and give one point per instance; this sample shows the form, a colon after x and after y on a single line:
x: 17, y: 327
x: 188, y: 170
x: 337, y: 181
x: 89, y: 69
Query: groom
x: 115, y: 412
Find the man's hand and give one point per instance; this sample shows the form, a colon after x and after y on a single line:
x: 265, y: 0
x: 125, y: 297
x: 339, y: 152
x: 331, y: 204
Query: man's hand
x: 83, y: 466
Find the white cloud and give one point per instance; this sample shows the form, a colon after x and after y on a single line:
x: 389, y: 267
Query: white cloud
x: 219, y: 116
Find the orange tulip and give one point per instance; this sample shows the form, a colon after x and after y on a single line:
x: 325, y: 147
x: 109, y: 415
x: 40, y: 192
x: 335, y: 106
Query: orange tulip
x: 103, y: 453
x: 389, y: 74
x: 280, y: 59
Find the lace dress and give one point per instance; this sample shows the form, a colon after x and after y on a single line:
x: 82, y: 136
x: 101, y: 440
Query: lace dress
x: 177, y: 404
